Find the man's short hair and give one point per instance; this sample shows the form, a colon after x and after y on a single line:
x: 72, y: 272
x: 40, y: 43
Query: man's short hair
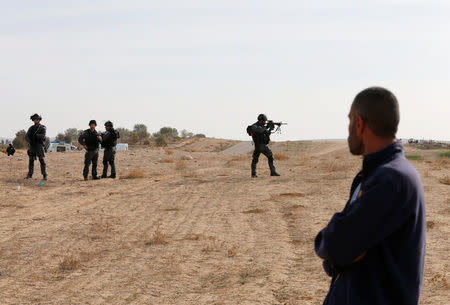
x: 379, y: 108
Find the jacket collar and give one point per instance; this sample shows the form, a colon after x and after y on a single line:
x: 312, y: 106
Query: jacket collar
x: 374, y: 160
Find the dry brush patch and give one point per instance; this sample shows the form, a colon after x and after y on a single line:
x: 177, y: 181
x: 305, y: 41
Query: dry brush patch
x: 234, y: 159
x: 135, y: 174
x: 157, y: 238
x: 166, y: 160
x: 68, y: 263
x: 253, y: 211
x: 280, y: 156
x: 181, y: 164
x: 169, y: 151
x: 445, y: 180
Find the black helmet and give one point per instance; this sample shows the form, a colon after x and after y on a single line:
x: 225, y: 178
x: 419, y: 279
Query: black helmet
x: 108, y: 124
x: 262, y: 117
x: 35, y: 117
x: 92, y: 122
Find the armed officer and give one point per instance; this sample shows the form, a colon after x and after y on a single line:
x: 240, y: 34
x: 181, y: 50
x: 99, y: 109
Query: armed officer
x: 10, y: 150
x: 260, y: 133
x: 36, y: 138
x: 90, y: 140
x: 109, y: 142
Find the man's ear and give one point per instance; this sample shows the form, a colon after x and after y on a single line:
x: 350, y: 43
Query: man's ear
x: 360, y: 125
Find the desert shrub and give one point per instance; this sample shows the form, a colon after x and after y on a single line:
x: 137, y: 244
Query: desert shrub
x: 169, y: 151
x: 69, y: 263
x: 60, y: 137
x: 19, y: 141
x: 445, y: 154
x: 160, y: 140
x: 413, y: 157
x: 146, y: 142
x: 199, y: 135
x: 445, y: 180
x: 180, y: 165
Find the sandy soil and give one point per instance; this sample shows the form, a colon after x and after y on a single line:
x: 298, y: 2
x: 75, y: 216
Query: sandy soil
x: 194, y: 230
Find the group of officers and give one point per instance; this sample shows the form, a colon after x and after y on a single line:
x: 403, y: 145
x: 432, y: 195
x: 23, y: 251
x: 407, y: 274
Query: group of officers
x: 89, y: 139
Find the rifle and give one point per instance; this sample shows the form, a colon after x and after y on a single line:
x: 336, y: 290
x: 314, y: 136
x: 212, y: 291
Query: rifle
x: 271, y: 125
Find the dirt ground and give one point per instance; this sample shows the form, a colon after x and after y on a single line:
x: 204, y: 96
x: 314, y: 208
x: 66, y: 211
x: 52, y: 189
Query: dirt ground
x: 195, y: 229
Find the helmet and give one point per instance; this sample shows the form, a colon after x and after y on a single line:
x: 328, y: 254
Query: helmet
x: 262, y: 117
x: 35, y: 117
x: 108, y: 124
x: 92, y: 122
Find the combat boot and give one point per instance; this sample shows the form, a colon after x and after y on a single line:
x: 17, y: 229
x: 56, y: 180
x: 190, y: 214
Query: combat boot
x: 44, y: 177
x: 274, y: 174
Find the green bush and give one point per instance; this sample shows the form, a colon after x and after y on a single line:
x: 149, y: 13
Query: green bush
x: 413, y: 157
x: 19, y: 141
x: 160, y: 140
x: 445, y: 154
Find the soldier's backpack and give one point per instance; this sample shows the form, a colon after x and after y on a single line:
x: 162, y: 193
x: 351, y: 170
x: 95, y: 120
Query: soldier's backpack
x: 250, y: 130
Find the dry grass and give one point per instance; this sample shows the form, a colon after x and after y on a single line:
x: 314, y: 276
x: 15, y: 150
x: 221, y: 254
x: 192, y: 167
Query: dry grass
x: 292, y: 195
x: 69, y: 263
x: 254, y: 211
x: 445, y: 180
x: 173, y: 209
x: 181, y: 164
x: 236, y: 159
x: 169, y: 151
x: 136, y: 174
x: 158, y: 238
x: 166, y: 160
x: 232, y: 252
x: 280, y: 156
x: 252, y: 272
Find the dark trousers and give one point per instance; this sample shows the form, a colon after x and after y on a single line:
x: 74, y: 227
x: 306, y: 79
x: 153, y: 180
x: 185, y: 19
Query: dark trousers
x: 265, y: 150
x: 108, y: 158
x: 90, y: 156
x: 35, y: 152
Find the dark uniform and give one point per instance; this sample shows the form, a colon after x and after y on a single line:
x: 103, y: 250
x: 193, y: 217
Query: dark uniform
x: 109, y: 142
x: 10, y: 150
x: 36, y: 138
x: 90, y: 139
x: 261, y: 138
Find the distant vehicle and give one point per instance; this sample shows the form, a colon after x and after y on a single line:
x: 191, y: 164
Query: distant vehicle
x: 119, y: 147
x: 60, y: 147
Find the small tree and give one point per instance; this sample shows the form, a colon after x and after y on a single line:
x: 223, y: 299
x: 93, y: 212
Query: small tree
x: 60, y: 137
x: 70, y: 135
x: 141, y: 131
x: 19, y: 141
x: 186, y: 134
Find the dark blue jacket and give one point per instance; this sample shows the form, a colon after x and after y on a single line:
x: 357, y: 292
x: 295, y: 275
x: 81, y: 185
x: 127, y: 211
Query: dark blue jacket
x: 36, y: 135
x: 387, y: 223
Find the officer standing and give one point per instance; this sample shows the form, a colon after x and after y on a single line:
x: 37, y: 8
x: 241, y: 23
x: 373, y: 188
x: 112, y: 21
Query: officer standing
x: 261, y: 137
x: 90, y: 140
x: 109, y: 142
x: 36, y: 138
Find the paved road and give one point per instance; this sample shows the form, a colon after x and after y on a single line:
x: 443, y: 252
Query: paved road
x: 239, y: 149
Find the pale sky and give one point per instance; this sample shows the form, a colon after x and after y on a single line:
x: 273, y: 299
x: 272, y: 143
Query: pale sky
x: 212, y: 66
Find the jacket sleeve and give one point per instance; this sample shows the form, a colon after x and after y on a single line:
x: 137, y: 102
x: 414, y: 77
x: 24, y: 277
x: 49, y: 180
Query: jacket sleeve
x: 81, y: 139
x: 41, y: 133
x: 27, y: 136
x: 379, y: 211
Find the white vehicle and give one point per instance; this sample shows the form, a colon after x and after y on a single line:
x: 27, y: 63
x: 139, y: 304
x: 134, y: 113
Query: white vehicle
x: 119, y: 147
x: 60, y: 147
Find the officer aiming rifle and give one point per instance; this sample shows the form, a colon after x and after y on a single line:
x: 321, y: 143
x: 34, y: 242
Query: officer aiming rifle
x: 260, y: 133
